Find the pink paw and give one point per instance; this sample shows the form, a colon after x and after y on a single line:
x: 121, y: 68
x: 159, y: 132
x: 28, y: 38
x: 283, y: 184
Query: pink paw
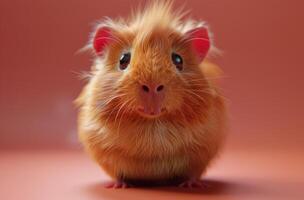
x: 117, y: 185
x: 193, y: 183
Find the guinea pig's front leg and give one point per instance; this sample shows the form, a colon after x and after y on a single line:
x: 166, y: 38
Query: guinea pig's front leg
x: 117, y: 184
x: 193, y: 183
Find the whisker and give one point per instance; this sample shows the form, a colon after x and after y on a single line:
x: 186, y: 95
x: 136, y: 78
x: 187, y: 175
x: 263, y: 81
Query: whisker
x: 211, y: 93
x: 112, y: 98
x: 130, y: 102
x: 190, y: 92
x: 117, y: 114
x: 118, y: 105
x: 189, y: 76
x: 83, y: 75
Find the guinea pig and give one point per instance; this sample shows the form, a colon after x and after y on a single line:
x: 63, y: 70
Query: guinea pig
x: 152, y: 112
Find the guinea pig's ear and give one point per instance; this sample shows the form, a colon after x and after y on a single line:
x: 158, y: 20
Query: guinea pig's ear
x: 102, y: 37
x: 200, y: 41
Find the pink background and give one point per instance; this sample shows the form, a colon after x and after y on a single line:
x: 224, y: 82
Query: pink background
x: 263, y: 63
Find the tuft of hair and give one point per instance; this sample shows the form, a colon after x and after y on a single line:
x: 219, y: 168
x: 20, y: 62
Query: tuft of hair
x: 157, y: 14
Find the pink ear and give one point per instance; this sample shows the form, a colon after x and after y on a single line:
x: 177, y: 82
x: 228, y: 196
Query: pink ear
x: 101, y: 39
x: 200, y: 41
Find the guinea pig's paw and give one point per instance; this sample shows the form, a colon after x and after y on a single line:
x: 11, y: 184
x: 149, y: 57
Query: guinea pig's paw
x: 117, y: 185
x: 193, y: 183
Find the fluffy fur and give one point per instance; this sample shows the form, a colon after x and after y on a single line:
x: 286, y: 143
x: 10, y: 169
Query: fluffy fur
x: 180, y: 143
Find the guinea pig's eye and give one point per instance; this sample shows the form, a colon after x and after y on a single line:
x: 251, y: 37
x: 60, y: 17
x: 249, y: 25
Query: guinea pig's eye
x: 177, y: 61
x: 124, y: 61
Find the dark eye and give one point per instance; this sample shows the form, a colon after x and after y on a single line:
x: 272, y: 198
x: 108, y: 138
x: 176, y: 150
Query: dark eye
x: 177, y: 61
x: 124, y: 61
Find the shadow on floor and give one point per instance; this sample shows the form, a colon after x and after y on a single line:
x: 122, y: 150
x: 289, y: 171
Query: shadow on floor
x: 213, y: 188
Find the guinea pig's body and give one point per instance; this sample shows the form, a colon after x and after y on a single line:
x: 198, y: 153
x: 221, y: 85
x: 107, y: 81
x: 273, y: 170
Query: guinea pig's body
x: 138, y: 134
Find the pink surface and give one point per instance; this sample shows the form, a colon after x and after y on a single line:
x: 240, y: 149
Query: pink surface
x: 255, y: 173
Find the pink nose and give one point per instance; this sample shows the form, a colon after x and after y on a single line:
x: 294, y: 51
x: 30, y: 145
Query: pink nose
x: 152, y: 96
x: 152, y: 89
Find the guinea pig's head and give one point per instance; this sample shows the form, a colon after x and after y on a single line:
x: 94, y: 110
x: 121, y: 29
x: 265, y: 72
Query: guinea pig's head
x: 148, y: 68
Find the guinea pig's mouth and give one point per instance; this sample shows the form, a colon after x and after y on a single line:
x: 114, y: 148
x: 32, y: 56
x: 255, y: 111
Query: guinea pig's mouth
x: 151, y: 113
